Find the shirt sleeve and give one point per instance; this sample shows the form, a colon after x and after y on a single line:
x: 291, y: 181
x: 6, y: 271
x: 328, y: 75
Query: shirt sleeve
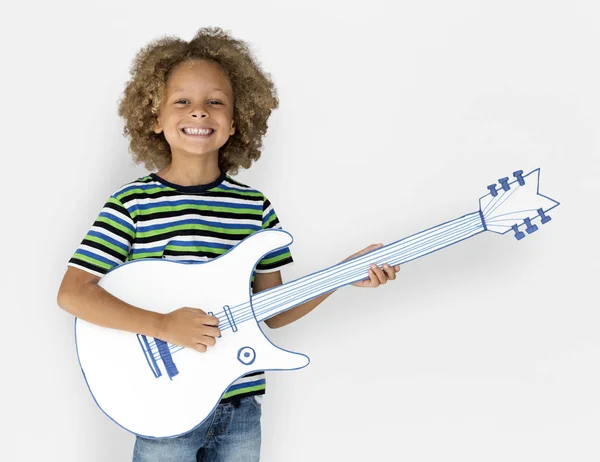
x: 108, y: 242
x: 276, y: 260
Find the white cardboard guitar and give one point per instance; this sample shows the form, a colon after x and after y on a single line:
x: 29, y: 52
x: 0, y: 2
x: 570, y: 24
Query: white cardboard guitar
x: 155, y: 389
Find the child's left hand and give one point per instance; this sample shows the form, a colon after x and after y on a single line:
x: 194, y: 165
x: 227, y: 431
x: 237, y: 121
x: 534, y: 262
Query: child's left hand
x: 377, y: 275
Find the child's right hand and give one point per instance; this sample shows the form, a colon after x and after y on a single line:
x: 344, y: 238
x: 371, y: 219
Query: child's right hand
x: 190, y: 328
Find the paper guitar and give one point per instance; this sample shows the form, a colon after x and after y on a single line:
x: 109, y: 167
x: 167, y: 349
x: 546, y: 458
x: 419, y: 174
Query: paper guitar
x: 155, y: 389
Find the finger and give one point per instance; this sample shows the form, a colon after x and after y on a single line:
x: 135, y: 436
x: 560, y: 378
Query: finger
x: 210, y: 320
x: 206, y: 340
x: 211, y: 331
x: 199, y: 347
x: 389, y: 271
x: 374, y: 279
x: 381, y: 276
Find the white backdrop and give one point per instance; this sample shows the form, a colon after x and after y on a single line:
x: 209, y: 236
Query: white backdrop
x: 394, y: 117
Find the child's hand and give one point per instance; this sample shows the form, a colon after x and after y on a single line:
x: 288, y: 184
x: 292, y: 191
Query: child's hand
x: 190, y: 327
x: 377, y: 275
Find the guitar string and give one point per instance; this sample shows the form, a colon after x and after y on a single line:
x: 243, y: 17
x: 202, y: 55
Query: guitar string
x: 391, y: 250
x: 356, y: 268
x: 356, y: 275
x: 504, y: 199
x: 246, y: 309
x: 509, y: 213
x: 496, y: 218
x: 234, y: 311
x: 422, y: 243
x: 422, y: 239
x: 245, y: 313
x: 493, y: 203
x: 497, y: 202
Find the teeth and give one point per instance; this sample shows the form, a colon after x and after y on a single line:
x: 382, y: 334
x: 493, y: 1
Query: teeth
x: 197, y: 131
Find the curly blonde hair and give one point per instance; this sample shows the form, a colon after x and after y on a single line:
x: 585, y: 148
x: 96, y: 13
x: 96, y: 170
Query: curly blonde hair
x: 254, y: 93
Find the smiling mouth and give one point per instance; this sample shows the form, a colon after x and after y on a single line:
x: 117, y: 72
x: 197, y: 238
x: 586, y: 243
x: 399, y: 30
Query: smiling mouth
x: 197, y: 135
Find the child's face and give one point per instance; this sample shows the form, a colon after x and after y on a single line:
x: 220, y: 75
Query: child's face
x: 197, y: 94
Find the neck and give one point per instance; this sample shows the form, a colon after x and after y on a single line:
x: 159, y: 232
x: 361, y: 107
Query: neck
x: 191, y: 172
x: 272, y: 301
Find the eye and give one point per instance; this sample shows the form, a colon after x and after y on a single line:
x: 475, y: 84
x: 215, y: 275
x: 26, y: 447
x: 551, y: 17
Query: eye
x: 184, y: 100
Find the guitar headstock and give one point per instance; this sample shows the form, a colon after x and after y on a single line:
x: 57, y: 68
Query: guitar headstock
x: 515, y: 204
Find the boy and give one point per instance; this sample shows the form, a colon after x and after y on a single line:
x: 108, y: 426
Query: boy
x: 196, y: 111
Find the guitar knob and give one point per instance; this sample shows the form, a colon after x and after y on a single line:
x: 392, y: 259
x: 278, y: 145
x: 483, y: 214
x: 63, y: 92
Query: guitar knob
x: 545, y: 218
x: 519, y: 176
x: 518, y: 234
x: 504, y: 183
x: 492, y: 189
x: 246, y: 355
x: 530, y: 228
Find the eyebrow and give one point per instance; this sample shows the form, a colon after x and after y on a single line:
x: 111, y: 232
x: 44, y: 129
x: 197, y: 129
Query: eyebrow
x: 178, y: 90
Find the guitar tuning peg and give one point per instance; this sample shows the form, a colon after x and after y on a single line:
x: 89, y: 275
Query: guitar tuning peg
x: 518, y: 234
x: 492, y: 189
x: 545, y: 218
x: 530, y: 228
x: 504, y: 183
x: 519, y: 176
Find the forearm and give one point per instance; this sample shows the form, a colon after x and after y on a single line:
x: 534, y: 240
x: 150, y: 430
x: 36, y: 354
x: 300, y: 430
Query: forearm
x: 293, y: 314
x: 94, y: 304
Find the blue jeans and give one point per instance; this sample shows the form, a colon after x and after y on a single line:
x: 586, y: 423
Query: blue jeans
x: 230, y: 434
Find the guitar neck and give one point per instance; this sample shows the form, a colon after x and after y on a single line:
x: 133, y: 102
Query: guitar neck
x: 270, y: 302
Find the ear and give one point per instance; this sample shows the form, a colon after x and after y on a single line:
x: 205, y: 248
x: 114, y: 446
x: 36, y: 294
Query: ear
x: 232, y: 131
x: 157, y: 127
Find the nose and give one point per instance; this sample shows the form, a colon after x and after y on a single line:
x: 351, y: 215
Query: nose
x: 199, y: 111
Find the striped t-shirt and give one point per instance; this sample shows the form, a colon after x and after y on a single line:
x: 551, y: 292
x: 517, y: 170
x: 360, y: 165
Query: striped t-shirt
x: 153, y: 218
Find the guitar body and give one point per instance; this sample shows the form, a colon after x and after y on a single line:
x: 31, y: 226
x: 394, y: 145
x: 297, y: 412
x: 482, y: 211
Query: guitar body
x: 136, y: 385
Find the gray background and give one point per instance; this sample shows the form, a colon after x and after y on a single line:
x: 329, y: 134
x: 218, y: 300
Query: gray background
x: 394, y: 117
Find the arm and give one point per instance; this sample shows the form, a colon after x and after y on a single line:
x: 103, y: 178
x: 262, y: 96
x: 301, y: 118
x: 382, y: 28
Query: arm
x: 264, y: 281
x: 80, y: 295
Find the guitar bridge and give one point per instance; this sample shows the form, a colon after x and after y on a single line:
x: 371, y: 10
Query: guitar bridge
x: 158, y: 349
